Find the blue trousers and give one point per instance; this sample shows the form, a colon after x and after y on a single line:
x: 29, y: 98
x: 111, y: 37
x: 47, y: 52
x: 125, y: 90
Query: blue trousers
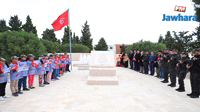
x: 152, y: 68
x: 146, y: 69
x: 161, y: 73
x: 22, y: 81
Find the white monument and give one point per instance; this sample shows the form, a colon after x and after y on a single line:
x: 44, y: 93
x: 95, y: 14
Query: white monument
x: 102, y: 69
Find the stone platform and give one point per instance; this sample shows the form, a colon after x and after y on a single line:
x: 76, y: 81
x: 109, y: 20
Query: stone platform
x: 105, y: 80
x: 83, y: 67
x: 102, y: 72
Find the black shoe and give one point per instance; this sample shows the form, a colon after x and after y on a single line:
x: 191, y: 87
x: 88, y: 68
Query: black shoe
x: 169, y: 85
x: 164, y: 81
x: 46, y: 82
x: 26, y: 89
x: 190, y: 94
x: 173, y: 85
x: 178, y: 89
x: 14, y: 94
x: 181, y: 90
x: 19, y: 92
x: 194, y: 96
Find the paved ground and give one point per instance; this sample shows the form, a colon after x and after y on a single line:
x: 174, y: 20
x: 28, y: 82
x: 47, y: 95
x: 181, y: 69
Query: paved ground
x: 135, y: 93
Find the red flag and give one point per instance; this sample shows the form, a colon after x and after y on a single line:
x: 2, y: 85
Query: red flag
x: 61, y: 21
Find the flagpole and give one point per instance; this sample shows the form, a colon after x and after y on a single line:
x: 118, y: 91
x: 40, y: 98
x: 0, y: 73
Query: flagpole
x: 70, y: 38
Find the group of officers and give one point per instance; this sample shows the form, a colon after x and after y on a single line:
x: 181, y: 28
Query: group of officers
x: 169, y: 62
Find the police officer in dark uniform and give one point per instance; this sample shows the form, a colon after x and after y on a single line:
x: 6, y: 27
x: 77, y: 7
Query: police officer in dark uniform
x: 131, y: 58
x: 194, y: 68
x: 172, y: 67
x: 165, y: 59
x: 182, y: 71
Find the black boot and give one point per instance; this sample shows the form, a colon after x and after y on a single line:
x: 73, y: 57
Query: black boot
x: 182, y: 89
x: 190, y: 94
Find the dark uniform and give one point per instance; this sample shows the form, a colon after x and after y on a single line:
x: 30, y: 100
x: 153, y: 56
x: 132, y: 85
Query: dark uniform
x: 146, y: 63
x: 131, y: 59
x: 195, y: 76
x: 182, y: 71
x: 172, y: 68
x: 165, y: 64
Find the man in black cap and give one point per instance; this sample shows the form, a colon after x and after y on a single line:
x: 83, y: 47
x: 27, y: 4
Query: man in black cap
x: 131, y: 59
x: 165, y: 59
x: 172, y: 67
x: 195, y: 74
x: 182, y: 71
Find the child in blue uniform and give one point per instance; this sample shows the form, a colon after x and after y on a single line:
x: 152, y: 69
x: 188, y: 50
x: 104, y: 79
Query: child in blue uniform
x: 31, y: 71
x: 3, y: 79
x: 41, y: 70
x: 14, y: 76
x: 47, y: 68
x: 23, y: 74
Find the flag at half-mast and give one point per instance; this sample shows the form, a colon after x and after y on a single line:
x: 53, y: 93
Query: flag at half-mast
x: 61, y: 21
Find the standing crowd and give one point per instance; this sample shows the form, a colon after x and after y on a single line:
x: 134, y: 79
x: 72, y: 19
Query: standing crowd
x: 23, y: 69
x: 169, y: 65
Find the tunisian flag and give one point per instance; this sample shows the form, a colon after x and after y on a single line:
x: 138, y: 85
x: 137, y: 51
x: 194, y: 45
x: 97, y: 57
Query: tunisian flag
x: 61, y: 21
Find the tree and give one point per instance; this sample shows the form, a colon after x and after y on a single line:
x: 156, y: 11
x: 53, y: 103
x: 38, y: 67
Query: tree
x: 197, y: 10
x: 74, y: 39
x: 196, y: 42
x: 59, y: 41
x: 102, y: 45
x: 140, y: 41
x: 51, y: 46
x: 161, y: 39
x: 66, y: 39
x: 182, y: 41
x: 76, y: 48
x: 86, y: 34
x: 11, y: 44
x: 3, y: 26
x: 169, y: 41
x: 15, y: 24
x: 147, y: 46
x: 77, y: 40
x: 28, y: 26
x: 49, y: 34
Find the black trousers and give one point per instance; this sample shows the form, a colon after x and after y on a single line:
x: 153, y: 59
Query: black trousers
x: 166, y: 72
x: 173, y: 74
x: 196, y: 83
x: 146, y: 69
x: 45, y: 76
x: 181, y: 77
x: 2, y: 89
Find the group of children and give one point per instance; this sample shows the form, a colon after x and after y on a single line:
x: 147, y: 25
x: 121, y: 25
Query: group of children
x: 48, y: 68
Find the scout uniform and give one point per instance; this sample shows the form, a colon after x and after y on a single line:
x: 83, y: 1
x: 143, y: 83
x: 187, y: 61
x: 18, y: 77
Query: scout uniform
x: 14, y: 77
x: 31, y: 72
x: 47, y: 68
x: 41, y: 71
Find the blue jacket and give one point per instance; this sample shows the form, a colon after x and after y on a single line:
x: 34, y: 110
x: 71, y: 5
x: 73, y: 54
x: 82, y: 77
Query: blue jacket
x: 152, y: 58
x: 41, y: 69
x: 47, y: 67
x: 4, y: 76
x: 32, y: 69
x: 23, y: 73
x: 14, y: 75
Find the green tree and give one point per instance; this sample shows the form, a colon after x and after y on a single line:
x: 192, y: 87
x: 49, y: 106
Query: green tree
x: 28, y: 26
x: 182, y: 41
x: 77, y: 40
x: 102, y: 45
x: 147, y: 46
x: 49, y: 34
x: 3, y: 26
x: 74, y: 39
x: 66, y: 39
x: 86, y: 34
x: 197, y: 10
x: 15, y: 24
x: 11, y: 44
x: 76, y: 48
x: 161, y: 39
x: 196, y: 42
x: 169, y: 41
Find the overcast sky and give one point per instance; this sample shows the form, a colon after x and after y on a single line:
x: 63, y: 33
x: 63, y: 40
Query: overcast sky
x: 118, y: 21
